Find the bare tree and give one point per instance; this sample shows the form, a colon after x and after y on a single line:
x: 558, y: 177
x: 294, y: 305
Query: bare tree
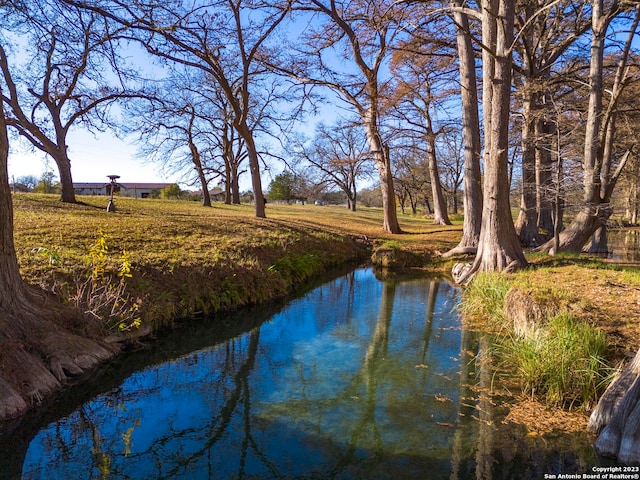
x: 451, y: 155
x: 37, y: 349
x: 63, y: 81
x: 545, y: 34
x: 339, y: 154
x: 189, y: 130
x: 601, y: 167
x: 411, y: 177
x: 224, y: 39
x: 423, y: 84
x: 169, y: 132
x: 344, y: 49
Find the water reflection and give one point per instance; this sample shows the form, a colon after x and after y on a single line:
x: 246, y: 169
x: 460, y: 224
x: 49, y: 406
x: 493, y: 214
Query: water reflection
x: 624, y: 245
x: 358, y: 379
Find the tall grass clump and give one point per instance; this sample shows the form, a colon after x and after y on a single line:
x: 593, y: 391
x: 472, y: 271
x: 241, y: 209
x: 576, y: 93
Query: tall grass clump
x: 296, y: 268
x: 561, y: 363
x: 484, y: 298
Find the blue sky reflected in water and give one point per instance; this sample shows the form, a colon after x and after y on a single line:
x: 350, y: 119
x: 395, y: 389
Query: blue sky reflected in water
x: 358, y: 379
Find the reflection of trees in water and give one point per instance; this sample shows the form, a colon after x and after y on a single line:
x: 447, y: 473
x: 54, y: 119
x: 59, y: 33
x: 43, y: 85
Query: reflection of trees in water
x: 485, y: 459
x: 167, y: 455
x: 485, y: 447
x: 237, y: 402
x: 240, y: 431
x: 361, y: 426
x: 99, y: 450
x: 434, y: 286
x: 624, y: 245
x: 375, y: 354
x: 464, y: 440
x: 360, y: 394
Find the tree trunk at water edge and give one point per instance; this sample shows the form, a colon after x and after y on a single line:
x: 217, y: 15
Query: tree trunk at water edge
x: 499, y: 247
x: 471, y: 137
x: 382, y: 159
x: 37, y: 349
x: 617, y: 416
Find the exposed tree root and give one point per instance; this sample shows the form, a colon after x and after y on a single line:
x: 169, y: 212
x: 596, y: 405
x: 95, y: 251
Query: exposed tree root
x: 579, y: 232
x: 71, y: 355
x: 612, y: 397
x: 461, y: 273
x: 11, y: 402
x: 39, y: 352
x: 460, y: 251
x: 617, y: 416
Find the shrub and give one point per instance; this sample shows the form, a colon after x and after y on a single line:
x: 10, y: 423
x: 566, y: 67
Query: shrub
x: 103, y: 293
x: 99, y: 290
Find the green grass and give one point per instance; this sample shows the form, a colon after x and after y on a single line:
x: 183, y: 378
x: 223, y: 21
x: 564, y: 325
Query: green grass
x: 484, y: 298
x: 563, y: 363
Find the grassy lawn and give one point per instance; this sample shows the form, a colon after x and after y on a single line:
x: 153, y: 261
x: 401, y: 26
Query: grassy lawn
x: 185, y: 258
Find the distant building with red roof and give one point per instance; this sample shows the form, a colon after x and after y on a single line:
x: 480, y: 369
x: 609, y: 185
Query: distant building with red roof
x: 136, y: 190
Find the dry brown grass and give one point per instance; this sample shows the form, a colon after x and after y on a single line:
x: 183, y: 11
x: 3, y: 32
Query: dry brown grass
x: 605, y: 295
x: 187, y: 258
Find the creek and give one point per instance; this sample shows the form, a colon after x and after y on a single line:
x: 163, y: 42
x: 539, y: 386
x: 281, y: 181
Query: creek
x: 359, y: 378
x: 624, y: 246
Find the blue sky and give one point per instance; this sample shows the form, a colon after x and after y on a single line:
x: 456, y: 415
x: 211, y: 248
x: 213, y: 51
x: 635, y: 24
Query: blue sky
x: 93, y: 157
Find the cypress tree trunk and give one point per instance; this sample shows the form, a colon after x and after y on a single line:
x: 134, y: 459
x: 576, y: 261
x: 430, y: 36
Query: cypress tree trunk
x: 471, y: 138
x: 254, y: 168
x: 617, y: 416
x: 440, y: 216
x: 499, y: 247
x: 527, y: 222
x: 197, y: 162
x: 545, y: 131
x: 599, y: 180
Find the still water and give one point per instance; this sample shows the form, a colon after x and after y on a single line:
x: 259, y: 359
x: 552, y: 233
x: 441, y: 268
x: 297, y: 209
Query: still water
x: 624, y: 246
x: 358, y: 379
